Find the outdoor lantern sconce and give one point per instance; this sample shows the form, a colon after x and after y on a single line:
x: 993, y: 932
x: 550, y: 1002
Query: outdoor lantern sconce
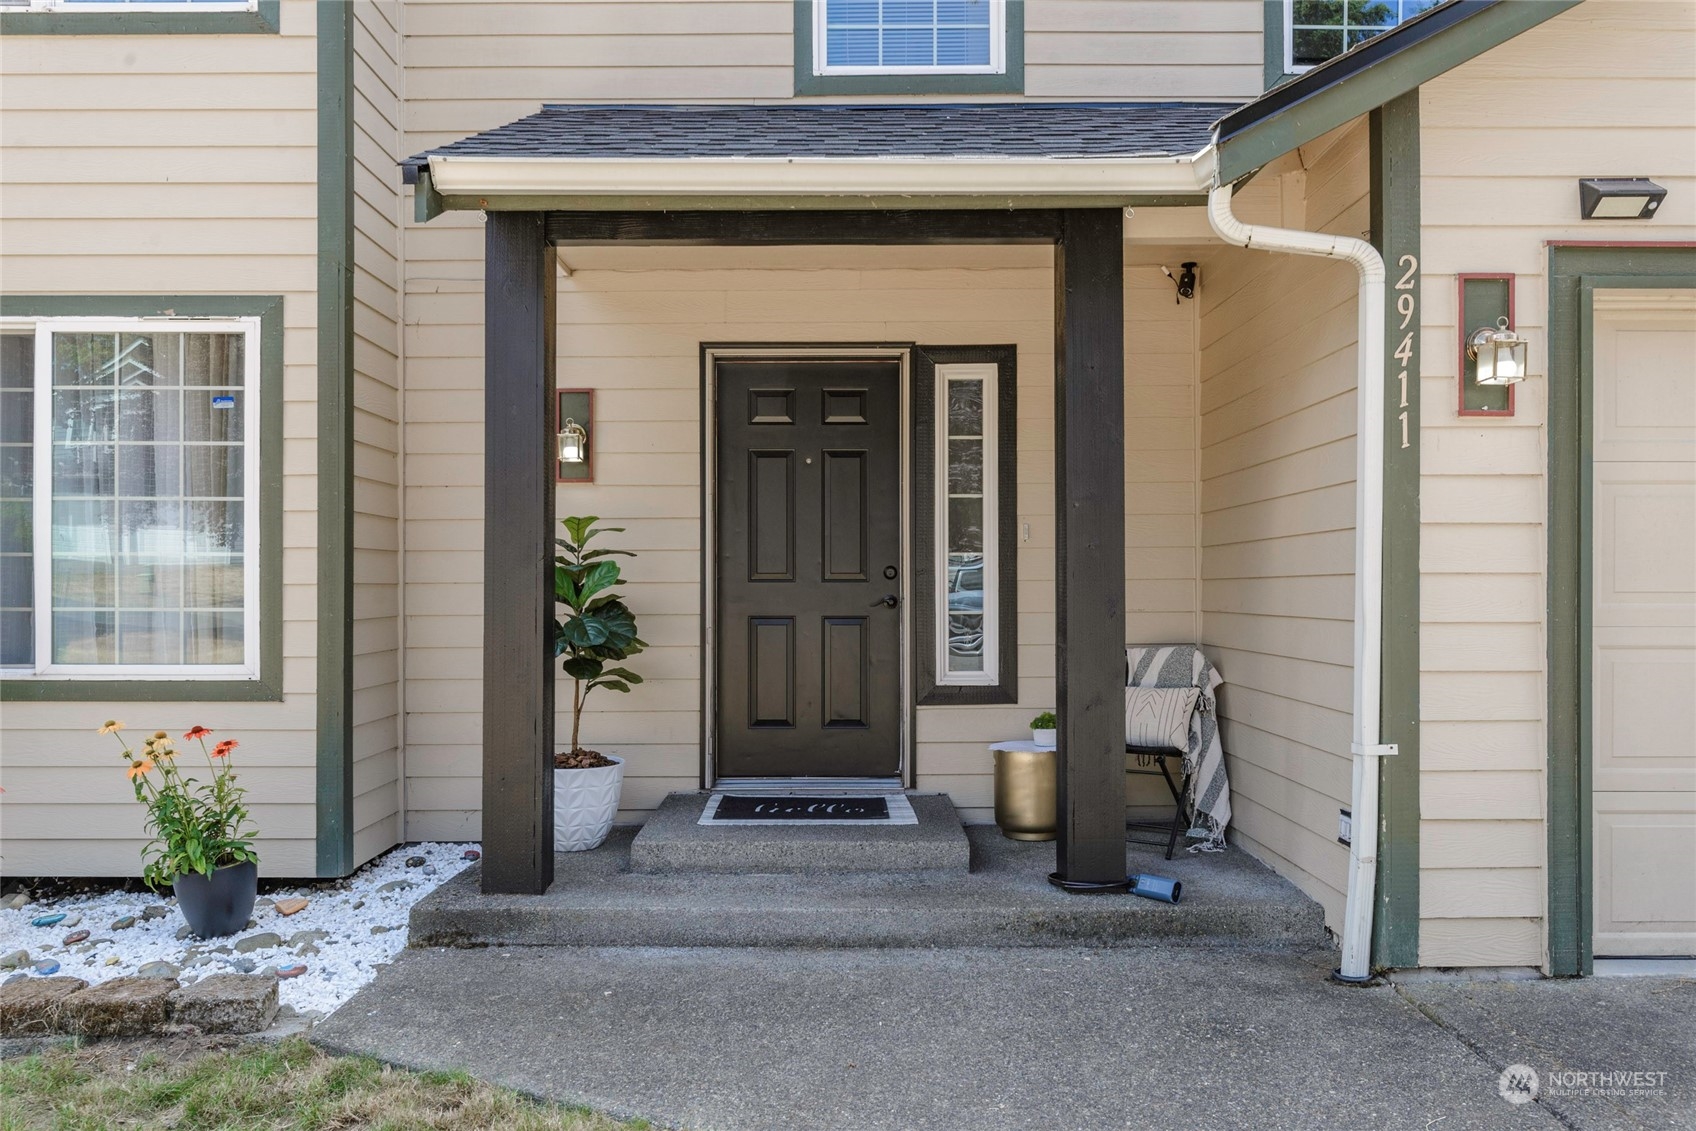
x: 575, y: 415
x: 1499, y: 353
x: 573, y: 442
x: 1493, y: 355
x: 1619, y: 198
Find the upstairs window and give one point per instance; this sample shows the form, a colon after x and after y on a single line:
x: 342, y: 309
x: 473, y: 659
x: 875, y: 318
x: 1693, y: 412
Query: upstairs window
x: 133, y: 5
x: 1317, y: 30
x: 904, y: 37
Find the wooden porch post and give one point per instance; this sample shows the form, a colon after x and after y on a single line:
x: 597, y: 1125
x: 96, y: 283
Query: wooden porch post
x: 518, y: 552
x: 1089, y: 478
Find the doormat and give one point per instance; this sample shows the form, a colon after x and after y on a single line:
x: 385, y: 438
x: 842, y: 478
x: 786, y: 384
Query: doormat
x: 808, y: 809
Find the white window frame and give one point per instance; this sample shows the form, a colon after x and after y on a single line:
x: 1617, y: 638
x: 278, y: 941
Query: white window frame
x: 42, y: 511
x: 990, y: 374
x: 997, y: 64
x: 143, y: 6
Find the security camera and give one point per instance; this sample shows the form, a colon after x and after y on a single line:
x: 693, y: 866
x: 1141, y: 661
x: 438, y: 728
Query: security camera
x: 1186, y: 281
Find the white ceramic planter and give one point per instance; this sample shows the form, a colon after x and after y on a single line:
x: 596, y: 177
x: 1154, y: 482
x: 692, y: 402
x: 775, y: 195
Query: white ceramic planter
x: 1044, y: 738
x: 585, y: 803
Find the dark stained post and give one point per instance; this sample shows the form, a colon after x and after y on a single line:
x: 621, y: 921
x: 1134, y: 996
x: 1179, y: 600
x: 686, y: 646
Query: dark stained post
x: 1089, y: 478
x: 518, y: 552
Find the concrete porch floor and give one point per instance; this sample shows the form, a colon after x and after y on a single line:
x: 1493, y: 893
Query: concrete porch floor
x: 1229, y: 900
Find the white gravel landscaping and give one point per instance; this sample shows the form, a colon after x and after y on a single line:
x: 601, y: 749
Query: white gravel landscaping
x: 363, y: 925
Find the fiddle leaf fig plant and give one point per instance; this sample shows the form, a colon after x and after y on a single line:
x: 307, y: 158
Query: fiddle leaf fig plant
x: 598, y: 631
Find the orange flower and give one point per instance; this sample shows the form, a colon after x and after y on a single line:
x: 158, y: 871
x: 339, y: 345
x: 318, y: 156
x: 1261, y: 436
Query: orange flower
x: 162, y: 749
x: 223, y: 748
x: 196, y: 732
x: 140, y: 769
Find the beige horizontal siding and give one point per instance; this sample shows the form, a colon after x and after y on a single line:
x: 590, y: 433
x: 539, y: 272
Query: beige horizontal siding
x: 1606, y: 88
x: 170, y: 165
x: 631, y: 325
x: 1277, y: 519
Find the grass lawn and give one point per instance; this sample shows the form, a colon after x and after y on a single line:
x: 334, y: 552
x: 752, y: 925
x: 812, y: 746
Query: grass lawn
x: 225, y: 1085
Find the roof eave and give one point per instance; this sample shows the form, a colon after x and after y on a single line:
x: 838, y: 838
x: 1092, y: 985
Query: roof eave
x: 504, y: 182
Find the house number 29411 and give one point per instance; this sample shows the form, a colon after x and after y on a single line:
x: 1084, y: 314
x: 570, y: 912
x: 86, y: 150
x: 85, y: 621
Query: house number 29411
x: 1407, y: 305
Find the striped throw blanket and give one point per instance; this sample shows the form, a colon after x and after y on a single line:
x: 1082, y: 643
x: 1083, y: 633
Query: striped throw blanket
x: 1183, y: 665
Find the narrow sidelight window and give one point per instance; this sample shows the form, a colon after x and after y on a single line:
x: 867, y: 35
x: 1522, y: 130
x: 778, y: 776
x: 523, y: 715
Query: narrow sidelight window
x: 966, y: 534
x: 964, y: 463
x: 129, y: 499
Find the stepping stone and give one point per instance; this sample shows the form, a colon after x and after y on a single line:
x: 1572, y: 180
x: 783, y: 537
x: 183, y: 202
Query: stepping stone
x: 31, y: 1007
x: 226, y: 1003
x: 157, y: 970
x: 258, y: 942
x: 123, y: 1007
x: 14, y: 960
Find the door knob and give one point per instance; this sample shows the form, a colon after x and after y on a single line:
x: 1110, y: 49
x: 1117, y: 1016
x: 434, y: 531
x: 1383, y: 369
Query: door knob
x: 888, y: 601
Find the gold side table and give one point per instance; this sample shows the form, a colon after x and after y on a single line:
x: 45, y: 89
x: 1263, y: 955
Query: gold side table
x: 1026, y: 791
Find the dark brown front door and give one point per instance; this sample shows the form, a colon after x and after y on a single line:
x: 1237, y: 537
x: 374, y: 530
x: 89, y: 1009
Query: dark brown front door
x: 809, y: 543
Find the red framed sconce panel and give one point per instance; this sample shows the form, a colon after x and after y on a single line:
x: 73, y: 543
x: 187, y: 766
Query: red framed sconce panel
x: 1479, y: 301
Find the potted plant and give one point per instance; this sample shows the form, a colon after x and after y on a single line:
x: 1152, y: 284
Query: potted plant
x: 202, y: 843
x: 1043, y: 728
x: 596, y: 633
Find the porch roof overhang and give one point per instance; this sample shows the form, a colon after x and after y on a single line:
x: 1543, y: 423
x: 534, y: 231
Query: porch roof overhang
x: 993, y: 155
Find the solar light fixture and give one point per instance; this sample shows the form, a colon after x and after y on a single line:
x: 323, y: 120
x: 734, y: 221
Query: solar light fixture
x: 1619, y: 198
x: 1499, y: 352
x: 573, y: 442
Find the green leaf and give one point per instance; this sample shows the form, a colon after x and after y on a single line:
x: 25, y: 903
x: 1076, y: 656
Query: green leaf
x: 583, y: 667
x: 596, y: 577
x: 615, y: 684
x: 625, y: 674
x: 592, y: 554
x: 585, y: 631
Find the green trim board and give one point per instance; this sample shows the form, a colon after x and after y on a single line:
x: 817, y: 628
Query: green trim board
x: 1395, y: 212
x: 1371, y: 75
x: 1009, y: 81
x: 1272, y: 39
x: 265, y: 19
x: 335, y: 440
x: 1575, y: 273
x: 269, y: 686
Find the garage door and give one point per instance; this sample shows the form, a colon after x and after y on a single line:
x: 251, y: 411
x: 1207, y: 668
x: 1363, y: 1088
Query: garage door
x: 1643, y: 622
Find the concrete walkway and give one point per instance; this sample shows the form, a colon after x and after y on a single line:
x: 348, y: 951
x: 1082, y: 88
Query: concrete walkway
x: 1008, y: 1040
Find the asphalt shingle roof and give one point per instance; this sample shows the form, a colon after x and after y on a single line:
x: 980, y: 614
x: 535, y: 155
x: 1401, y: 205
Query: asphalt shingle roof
x: 1002, y: 129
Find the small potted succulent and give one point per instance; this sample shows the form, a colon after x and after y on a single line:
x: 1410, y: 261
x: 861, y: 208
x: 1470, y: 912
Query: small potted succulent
x: 597, y: 632
x: 202, y: 842
x: 1043, y: 728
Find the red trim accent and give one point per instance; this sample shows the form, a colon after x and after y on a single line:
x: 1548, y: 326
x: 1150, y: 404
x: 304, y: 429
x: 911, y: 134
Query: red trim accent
x: 559, y: 418
x: 1625, y: 244
x: 1465, y: 333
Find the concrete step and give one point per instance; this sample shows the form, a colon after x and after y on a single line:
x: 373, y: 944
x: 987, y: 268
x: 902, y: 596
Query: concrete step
x: 674, y: 842
x: 1230, y: 900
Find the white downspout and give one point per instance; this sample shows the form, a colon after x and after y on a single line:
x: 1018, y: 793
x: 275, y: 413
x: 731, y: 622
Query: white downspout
x: 1368, y: 552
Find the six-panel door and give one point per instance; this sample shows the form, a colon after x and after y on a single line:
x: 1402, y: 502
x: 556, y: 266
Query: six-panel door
x: 809, y: 544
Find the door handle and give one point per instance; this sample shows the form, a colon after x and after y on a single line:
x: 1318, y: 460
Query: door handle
x: 888, y: 601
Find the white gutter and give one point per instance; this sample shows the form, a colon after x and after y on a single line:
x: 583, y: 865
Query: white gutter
x: 822, y: 176
x: 1368, y: 552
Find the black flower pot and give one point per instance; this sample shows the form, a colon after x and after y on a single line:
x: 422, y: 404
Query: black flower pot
x: 219, y: 904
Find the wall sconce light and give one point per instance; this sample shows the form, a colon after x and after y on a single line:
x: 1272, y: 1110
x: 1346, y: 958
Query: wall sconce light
x: 573, y: 442
x: 1619, y: 198
x: 1499, y: 352
x: 1492, y: 356
x: 575, y: 411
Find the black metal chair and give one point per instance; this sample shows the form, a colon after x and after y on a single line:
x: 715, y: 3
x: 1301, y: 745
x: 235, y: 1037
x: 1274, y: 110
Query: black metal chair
x: 1151, y: 762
